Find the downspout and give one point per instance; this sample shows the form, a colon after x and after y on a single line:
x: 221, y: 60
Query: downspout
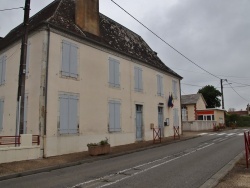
x: 180, y: 107
x: 46, y: 92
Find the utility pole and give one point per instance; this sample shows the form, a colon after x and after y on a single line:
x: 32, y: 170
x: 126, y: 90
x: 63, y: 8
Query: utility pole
x: 22, y: 68
x: 222, y: 96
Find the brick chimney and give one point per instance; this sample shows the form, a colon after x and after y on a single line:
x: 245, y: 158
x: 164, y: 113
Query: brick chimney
x: 87, y: 15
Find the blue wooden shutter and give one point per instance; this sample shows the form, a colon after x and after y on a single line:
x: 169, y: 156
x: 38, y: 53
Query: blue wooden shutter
x: 73, y: 61
x: 28, y: 58
x: 159, y: 85
x: 1, y: 114
x: 65, y: 58
x: 136, y: 72
x: 176, y: 117
x: 111, y: 116
x: 73, y: 115
x: 117, y: 74
x: 117, y: 117
x: 111, y: 72
x: 25, y: 113
x: 2, y: 69
x: 64, y: 113
x: 174, y: 85
x: 140, y: 85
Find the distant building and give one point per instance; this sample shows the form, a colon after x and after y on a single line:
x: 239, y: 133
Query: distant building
x: 241, y: 112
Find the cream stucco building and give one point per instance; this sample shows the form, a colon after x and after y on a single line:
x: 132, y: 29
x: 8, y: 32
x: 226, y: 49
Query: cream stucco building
x: 85, y: 81
x: 195, y: 115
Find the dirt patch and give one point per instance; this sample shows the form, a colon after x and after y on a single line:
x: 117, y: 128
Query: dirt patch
x: 239, y: 176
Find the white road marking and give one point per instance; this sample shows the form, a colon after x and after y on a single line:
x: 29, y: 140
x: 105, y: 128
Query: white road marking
x: 230, y: 134
x: 221, y: 134
x: 241, y: 134
x: 202, y: 134
x: 143, y: 170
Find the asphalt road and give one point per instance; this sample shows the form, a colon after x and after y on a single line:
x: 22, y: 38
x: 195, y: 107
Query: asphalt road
x: 184, y: 164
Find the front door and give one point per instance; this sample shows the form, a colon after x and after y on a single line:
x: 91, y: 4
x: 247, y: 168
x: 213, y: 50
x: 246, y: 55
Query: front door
x: 138, y: 122
x: 160, y: 120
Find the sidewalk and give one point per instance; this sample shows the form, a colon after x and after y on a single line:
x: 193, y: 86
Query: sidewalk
x: 23, y: 168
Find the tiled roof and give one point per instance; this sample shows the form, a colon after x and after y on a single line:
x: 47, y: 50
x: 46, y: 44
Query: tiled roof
x: 60, y: 14
x: 190, y: 99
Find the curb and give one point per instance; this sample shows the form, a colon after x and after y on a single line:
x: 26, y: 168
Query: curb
x: 214, y: 180
x: 48, y: 169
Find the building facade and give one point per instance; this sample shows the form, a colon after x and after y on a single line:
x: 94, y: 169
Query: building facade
x: 85, y: 84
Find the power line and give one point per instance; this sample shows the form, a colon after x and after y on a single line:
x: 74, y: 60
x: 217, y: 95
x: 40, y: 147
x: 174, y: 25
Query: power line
x: 237, y: 92
x: 205, y: 73
x: 238, y: 83
x: 11, y: 9
x: 164, y: 40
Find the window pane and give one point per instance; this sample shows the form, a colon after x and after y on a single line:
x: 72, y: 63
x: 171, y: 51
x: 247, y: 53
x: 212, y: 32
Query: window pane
x: 200, y: 117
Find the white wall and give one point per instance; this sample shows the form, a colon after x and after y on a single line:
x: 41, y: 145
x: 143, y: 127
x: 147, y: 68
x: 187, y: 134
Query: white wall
x: 197, y: 125
x: 94, y: 93
x: 8, y: 91
x: 93, y: 90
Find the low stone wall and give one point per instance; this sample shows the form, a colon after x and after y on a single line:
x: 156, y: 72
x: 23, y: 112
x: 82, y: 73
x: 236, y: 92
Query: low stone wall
x: 25, y: 151
x: 197, y: 125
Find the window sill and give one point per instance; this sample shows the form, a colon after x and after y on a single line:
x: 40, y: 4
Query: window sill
x: 114, y: 87
x: 138, y: 91
x: 160, y: 95
x: 70, y: 78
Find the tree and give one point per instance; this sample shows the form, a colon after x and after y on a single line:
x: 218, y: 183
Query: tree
x: 211, y: 94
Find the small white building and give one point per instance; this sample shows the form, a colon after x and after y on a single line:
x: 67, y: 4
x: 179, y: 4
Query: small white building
x: 87, y: 78
x: 195, y: 115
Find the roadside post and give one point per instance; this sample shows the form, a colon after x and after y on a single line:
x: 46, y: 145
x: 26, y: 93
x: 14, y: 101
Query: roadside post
x: 247, y: 146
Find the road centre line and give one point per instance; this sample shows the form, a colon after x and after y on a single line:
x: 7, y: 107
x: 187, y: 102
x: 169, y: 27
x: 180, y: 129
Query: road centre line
x: 181, y: 154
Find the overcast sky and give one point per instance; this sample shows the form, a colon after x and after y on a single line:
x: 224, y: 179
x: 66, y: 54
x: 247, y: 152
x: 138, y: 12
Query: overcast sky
x: 215, y: 34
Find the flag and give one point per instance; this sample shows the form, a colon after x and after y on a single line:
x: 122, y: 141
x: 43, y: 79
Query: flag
x: 170, y: 101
